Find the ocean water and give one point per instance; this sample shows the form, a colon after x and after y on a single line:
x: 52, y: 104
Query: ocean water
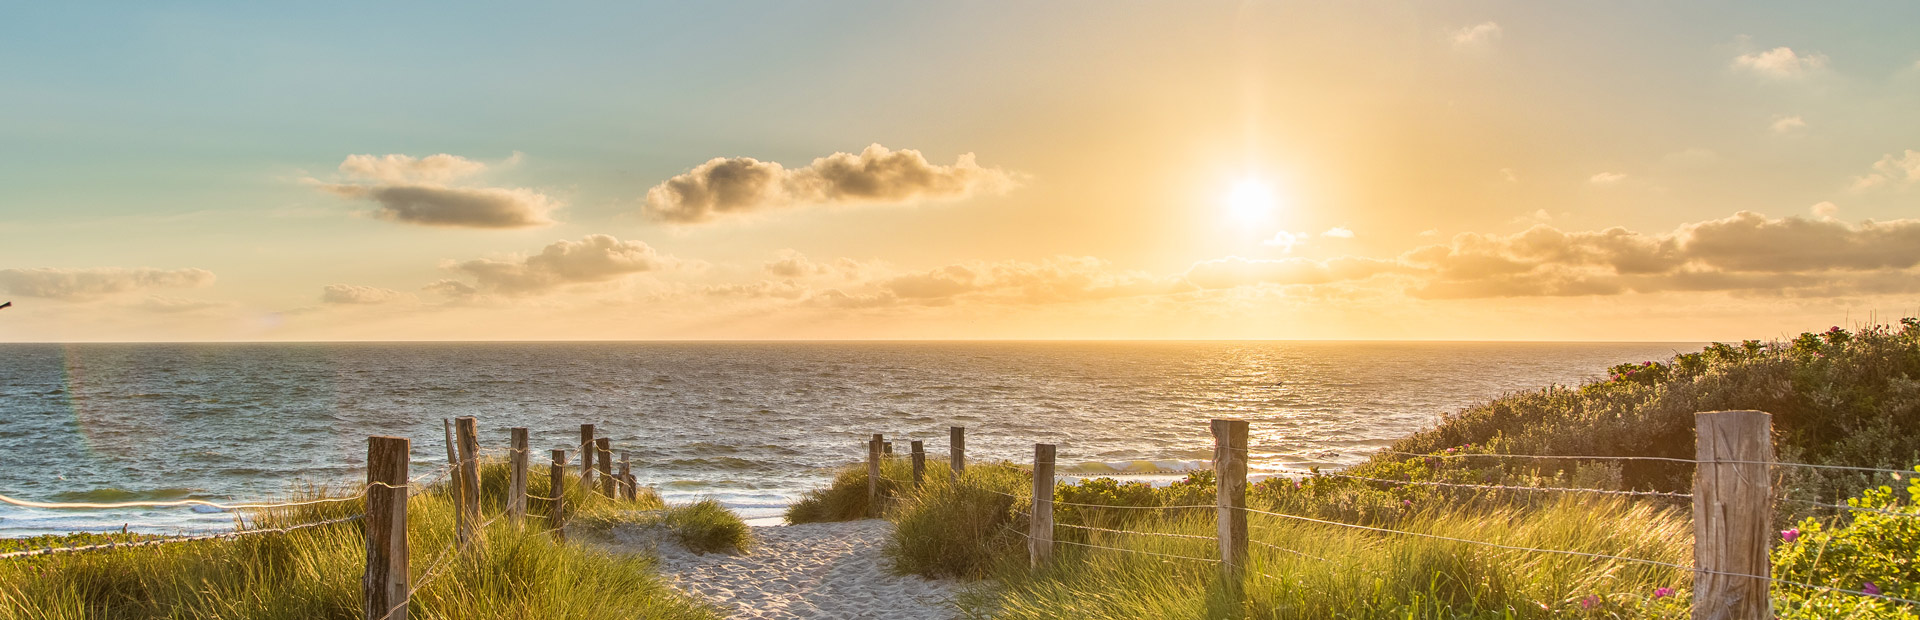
x: 752, y: 424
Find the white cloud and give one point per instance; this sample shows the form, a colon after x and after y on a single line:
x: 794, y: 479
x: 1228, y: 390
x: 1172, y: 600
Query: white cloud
x: 595, y: 258
x: 1895, y: 169
x: 1825, y: 209
x: 81, y: 284
x: 1285, y: 240
x: 355, y: 294
x: 1338, y: 232
x: 724, y: 187
x: 1476, y: 35
x: 1606, y: 178
x: 418, y: 191
x: 1509, y: 175
x: 1788, y: 124
x: 1780, y: 63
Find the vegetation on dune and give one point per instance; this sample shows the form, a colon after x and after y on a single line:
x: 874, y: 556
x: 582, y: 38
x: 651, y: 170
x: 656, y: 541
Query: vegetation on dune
x: 517, y: 572
x: 1838, y: 397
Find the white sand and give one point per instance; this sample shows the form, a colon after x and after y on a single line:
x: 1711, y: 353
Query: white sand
x: 815, y: 570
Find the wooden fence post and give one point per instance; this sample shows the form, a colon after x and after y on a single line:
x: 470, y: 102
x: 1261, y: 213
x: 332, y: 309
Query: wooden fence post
x: 556, y: 488
x: 384, y: 587
x: 586, y: 456
x: 466, y: 430
x: 886, y: 448
x: 626, y: 474
x: 1732, y: 515
x: 453, y: 461
x: 873, y: 475
x: 956, y: 451
x: 1040, y: 528
x: 517, y: 483
x: 1230, y: 494
x: 919, y: 463
x: 604, y: 460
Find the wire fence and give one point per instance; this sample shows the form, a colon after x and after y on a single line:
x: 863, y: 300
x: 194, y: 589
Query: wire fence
x: 1111, y: 537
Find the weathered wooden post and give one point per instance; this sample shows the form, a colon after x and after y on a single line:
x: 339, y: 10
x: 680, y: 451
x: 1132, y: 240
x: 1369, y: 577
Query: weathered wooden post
x: 384, y: 587
x: 1230, y: 494
x: 886, y: 448
x: 604, y: 446
x: 626, y: 474
x: 1732, y: 513
x: 956, y: 451
x: 517, y: 483
x: 919, y: 463
x: 453, y: 460
x: 586, y: 456
x: 1040, y: 528
x: 557, y: 489
x: 873, y: 475
x: 466, y: 430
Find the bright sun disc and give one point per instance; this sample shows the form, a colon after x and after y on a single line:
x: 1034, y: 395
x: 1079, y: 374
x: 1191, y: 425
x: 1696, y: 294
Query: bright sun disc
x: 1250, y: 201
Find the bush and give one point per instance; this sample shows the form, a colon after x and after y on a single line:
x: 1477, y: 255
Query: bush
x: 949, y: 530
x: 707, y: 527
x: 1874, y: 551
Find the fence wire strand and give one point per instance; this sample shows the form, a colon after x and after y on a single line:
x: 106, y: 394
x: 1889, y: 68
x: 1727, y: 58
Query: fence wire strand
x: 1498, y: 487
x: 178, y: 539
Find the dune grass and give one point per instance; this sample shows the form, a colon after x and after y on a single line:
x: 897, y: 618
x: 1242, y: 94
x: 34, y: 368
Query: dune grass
x: 517, y: 572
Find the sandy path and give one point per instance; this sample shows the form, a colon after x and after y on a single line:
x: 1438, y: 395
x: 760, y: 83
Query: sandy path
x: 815, y: 570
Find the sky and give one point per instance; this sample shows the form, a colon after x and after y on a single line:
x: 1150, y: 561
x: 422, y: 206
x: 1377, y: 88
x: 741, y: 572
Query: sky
x: 1417, y: 170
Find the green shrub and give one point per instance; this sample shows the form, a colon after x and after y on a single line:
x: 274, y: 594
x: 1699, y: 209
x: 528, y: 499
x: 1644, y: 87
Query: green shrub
x: 1871, y: 551
x: 949, y: 530
x: 707, y: 527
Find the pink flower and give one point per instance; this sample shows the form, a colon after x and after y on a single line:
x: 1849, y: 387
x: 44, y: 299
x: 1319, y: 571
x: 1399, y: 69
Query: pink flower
x: 1662, y: 592
x: 1406, y: 502
x: 1789, y: 534
x: 1590, y: 601
x: 1870, y: 589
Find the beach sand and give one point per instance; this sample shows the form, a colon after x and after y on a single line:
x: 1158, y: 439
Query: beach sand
x: 814, y: 570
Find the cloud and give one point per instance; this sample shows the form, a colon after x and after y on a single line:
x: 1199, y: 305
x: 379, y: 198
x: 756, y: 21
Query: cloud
x: 1788, y: 124
x: 82, y: 284
x: 174, y: 305
x: 1476, y: 35
x: 1606, y: 178
x: 1825, y: 209
x: 1780, y: 63
x: 1285, y: 240
x: 413, y: 190
x: 1897, y: 169
x: 793, y: 264
x: 724, y: 187
x: 1338, y: 233
x: 595, y: 258
x: 1746, y: 252
x: 355, y: 294
x: 1234, y: 271
x: 1509, y: 175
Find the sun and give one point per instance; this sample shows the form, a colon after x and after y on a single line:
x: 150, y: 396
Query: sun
x: 1251, y: 201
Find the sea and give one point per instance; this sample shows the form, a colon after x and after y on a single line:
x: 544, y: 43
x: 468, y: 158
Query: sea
x: 751, y: 424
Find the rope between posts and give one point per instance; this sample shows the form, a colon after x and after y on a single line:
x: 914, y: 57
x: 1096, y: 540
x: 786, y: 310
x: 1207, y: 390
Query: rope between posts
x: 1602, y: 556
x: 175, y: 504
x: 1497, y: 487
x: 164, y: 541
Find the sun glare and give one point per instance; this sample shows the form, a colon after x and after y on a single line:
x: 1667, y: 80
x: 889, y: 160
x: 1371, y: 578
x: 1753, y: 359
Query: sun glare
x: 1251, y: 200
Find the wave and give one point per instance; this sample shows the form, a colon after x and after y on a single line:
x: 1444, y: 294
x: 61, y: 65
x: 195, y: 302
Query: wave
x: 111, y: 494
x: 1134, y: 467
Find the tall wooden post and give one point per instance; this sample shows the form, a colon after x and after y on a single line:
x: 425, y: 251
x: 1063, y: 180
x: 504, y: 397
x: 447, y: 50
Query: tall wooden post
x: 517, y: 482
x: 956, y: 451
x: 557, y: 489
x: 586, y: 456
x: 873, y: 475
x: 919, y: 463
x: 1040, y: 528
x: 1230, y: 494
x: 1732, y: 513
x: 604, y: 446
x: 453, y: 460
x: 384, y: 587
x: 626, y: 474
x: 466, y: 430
